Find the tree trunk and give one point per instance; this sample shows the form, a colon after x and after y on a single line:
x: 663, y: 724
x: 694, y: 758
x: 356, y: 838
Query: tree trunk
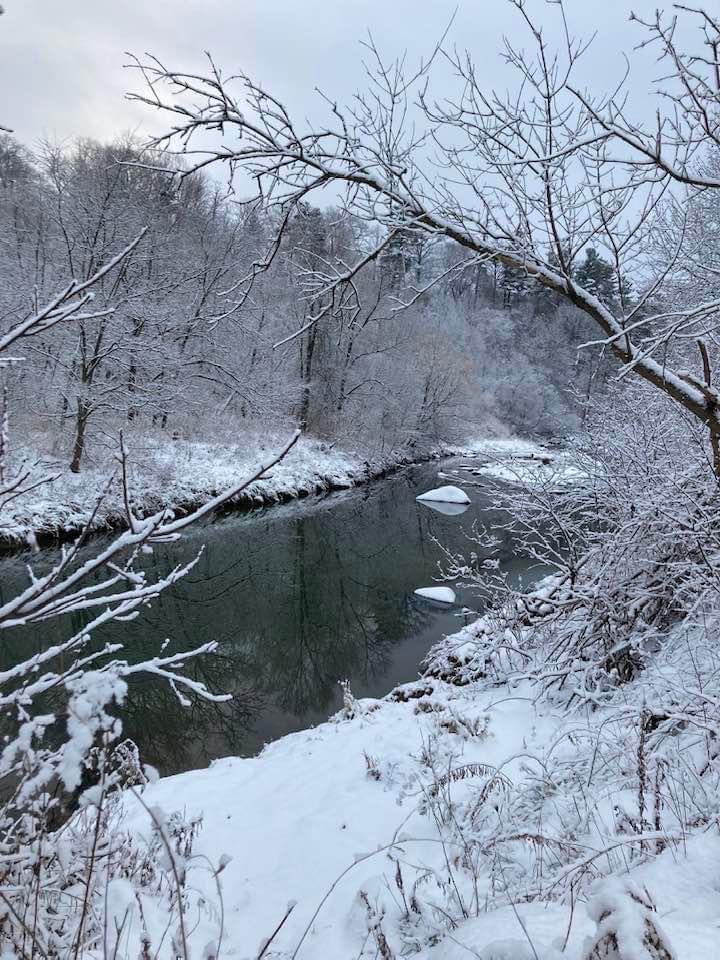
x: 307, y: 377
x: 132, y: 381
x: 83, y: 415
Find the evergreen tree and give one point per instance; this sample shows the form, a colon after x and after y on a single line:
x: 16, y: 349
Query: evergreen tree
x: 514, y: 284
x: 597, y: 276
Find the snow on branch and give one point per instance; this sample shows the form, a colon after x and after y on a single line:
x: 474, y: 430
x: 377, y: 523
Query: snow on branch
x: 69, y: 303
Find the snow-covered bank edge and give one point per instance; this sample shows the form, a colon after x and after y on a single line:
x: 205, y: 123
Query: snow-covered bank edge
x: 184, y: 476
x: 405, y: 820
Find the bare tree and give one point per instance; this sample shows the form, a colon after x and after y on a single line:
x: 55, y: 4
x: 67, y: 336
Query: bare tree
x: 527, y: 180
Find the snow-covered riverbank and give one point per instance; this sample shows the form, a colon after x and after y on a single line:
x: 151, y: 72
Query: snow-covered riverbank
x: 450, y: 820
x: 476, y: 811
x: 186, y: 474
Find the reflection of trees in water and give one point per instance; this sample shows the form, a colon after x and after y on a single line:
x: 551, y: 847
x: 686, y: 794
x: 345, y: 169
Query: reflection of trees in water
x: 297, y: 599
x: 327, y: 622
x: 172, y: 736
x: 175, y: 737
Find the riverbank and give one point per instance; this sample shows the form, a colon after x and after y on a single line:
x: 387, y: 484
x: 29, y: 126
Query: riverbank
x: 183, y: 475
x: 480, y: 810
x: 444, y: 820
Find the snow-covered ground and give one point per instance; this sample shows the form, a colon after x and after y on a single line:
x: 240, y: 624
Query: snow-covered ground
x: 179, y: 473
x: 556, y: 471
x: 318, y: 803
x: 525, y: 462
x: 186, y: 474
x: 460, y: 816
x: 366, y: 830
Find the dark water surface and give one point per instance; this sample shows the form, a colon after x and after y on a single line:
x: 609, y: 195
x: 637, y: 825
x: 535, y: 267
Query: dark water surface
x: 298, y: 596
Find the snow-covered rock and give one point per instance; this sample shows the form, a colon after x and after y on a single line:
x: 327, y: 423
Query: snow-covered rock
x: 448, y: 494
x: 448, y: 509
x: 438, y: 594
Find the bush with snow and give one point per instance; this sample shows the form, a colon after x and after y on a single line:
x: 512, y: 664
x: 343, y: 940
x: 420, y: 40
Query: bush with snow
x: 73, y: 882
x: 628, y: 928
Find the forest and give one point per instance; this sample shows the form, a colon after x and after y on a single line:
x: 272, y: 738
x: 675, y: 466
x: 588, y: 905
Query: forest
x: 190, y: 351
x: 512, y: 289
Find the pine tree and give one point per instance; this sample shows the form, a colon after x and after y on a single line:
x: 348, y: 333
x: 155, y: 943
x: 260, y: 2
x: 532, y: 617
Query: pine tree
x: 597, y: 276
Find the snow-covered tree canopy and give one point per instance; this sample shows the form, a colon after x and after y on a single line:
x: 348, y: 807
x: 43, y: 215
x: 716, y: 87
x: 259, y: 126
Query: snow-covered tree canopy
x: 529, y: 180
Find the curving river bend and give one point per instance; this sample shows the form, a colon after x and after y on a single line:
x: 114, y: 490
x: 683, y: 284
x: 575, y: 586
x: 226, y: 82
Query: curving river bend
x: 299, y: 596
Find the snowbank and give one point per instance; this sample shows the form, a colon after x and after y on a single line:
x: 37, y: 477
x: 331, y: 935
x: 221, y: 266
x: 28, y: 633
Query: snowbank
x: 549, y: 467
x: 533, y: 471
x: 324, y: 801
x: 502, y: 447
x: 517, y: 461
x: 352, y: 822
x: 186, y: 474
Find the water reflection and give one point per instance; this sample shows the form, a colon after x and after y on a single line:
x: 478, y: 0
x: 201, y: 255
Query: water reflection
x: 298, y: 597
x: 449, y: 509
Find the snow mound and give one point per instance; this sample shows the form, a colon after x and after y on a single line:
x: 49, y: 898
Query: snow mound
x: 556, y: 471
x: 447, y: 494
x: 438, y: 594
x: 447, y: 509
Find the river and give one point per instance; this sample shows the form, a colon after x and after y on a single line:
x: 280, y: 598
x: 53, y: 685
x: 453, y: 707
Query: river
x: 298, y: 596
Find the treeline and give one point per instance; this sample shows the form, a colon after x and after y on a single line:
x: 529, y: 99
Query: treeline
x: 190, y: 341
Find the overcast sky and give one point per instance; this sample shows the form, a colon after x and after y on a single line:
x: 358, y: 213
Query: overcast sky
x: 61, y: 61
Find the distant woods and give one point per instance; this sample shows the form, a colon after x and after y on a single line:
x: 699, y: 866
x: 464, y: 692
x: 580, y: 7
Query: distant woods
x: 198, y: 337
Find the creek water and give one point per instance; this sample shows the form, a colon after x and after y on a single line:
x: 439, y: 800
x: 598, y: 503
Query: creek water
x: 298, y: 597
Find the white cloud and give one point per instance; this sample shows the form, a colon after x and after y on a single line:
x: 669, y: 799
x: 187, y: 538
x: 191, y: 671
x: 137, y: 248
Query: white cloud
x: 61, y: 63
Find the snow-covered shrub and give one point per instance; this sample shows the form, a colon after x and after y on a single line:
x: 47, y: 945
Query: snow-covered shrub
x: 634, y: 550
x: 628, y: 928
x: 618, y: 639
x: 89, y: 887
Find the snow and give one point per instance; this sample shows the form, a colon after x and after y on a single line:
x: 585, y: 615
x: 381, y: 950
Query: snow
x: 516, y: 461
x: 186, y: 474
x: 438, y: 594
x: 326, y: 817
x: 624, y: 915
x: 502, y: 447
x: 552, y: 471
x: 447, y: 494
x: 499, y: 935
x: 306, y: 809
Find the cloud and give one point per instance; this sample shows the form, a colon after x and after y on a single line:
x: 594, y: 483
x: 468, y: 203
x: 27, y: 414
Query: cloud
x: 61, y: 63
